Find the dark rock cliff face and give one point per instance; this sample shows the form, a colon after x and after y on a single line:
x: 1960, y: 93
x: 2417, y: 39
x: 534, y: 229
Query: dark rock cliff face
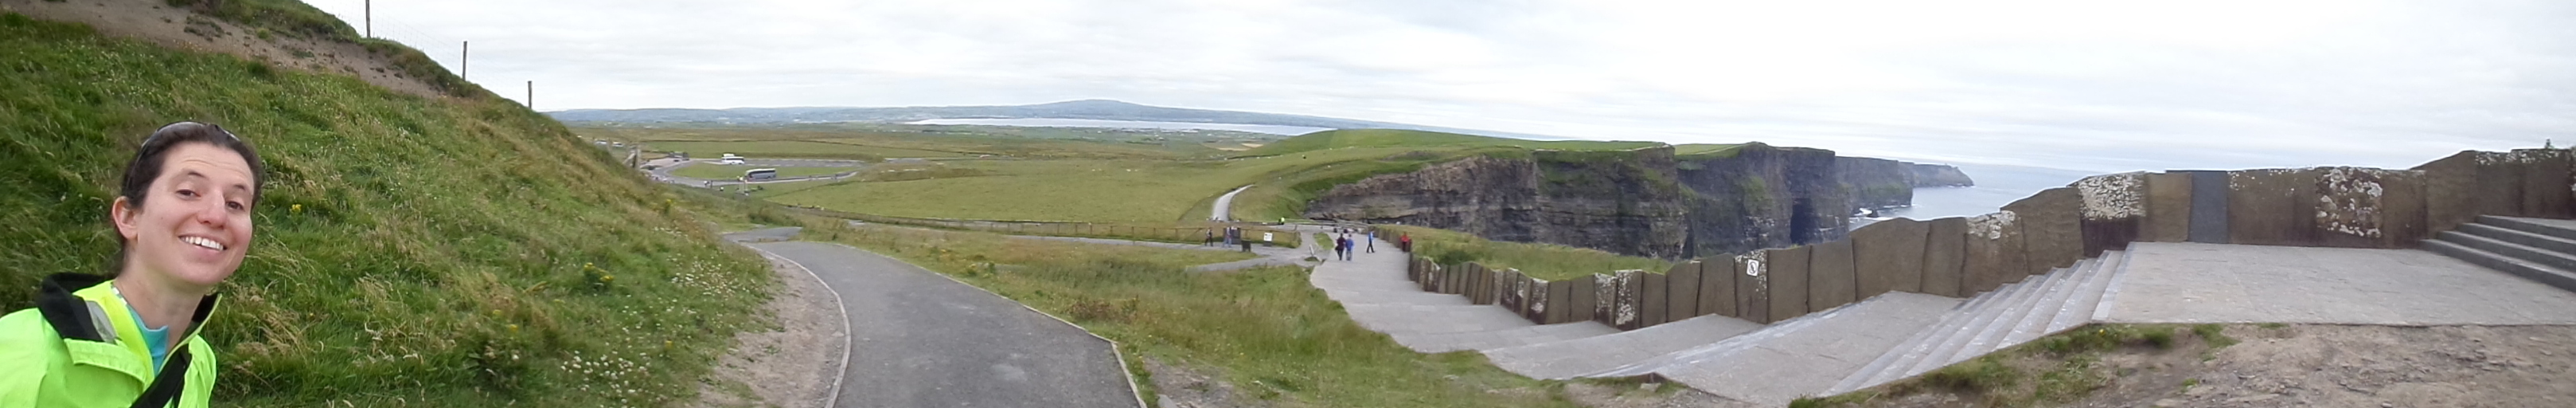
x: 1624, y: 202
x: 1643, y: 202
x: 1883, y: 183
x: 1877, y: 183
x: 1934, y: 175
x: 1758, y: 196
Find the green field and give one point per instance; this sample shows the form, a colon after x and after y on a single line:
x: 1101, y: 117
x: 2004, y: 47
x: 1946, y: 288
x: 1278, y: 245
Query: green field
x: 460, y: 251
x: 794, y: 149
x: 1337, y: 139
x: 729, y: 172
x: 875, y: 141
x: 1265, y: 331
x: 1096, y: 190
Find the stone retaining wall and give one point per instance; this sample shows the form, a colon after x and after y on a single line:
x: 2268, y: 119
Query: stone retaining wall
x: 2344, y: 207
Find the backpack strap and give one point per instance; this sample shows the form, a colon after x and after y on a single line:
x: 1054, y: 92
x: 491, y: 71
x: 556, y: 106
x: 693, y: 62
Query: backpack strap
x: 166, y: 386
x: 74, y: 318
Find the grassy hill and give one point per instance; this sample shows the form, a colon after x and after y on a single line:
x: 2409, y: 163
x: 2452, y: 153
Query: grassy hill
x: 1336, y: 139
x: 462, y: 251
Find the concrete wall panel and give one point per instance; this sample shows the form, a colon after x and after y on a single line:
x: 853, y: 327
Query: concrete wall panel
x: 1681, y: 291
x: 2051, y: 230
x: 1584, y: 301
x: 2450, y: 192
x: 2272, y: 206
x: 1994, y: 252
x: 1631, y: 311
x: 1651, y: 301
x: 1717, y: 286
x: 2499, y: 184
x: 1753, y: 288
x: 1889, y: 256
x: 1788, y: 290
x: 2114, y: 209
x: 2545, y: 185
x: 2168, y: 208
x: 1560, y: 301
x: 1832, y: 278
x: 2209, y: 191
x: 1945, y: 256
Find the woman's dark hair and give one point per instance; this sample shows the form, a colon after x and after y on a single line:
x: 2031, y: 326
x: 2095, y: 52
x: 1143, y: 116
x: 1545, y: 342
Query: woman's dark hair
x: 155, y: 152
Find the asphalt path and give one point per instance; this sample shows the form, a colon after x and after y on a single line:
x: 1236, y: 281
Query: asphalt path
x: 919, y: 339
x: 1225, y: 204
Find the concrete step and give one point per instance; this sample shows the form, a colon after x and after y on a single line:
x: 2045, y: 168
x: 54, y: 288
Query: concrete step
x: 1985, y: 315
x: 1950, y: 332
x: 2556, y: 228
x: 1505, y: 338
x: 1913, y: 348
x: 2044, y: 310
x: 2009, y: 317
x: 2525, y: 238
x: 2545, y: 274
x: 2111, y: 289
x: 1799, y: 357
x: 2079, y: 310
x: 1570, y: 358
x: 2526, y: 253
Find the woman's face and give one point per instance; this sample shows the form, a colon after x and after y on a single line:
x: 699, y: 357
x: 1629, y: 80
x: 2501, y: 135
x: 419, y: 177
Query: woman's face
x: 194, y: 225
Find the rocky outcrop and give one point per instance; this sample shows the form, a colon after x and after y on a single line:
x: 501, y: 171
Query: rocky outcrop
x: 1877, y: 183
x: 1644, y: 202
x: 1934, y: 175
x: 1618, y: 201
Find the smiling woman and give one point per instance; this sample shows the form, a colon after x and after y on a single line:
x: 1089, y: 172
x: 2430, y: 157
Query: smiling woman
x: 184, y: 213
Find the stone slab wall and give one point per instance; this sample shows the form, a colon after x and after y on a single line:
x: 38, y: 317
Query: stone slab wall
x: 2055, y: 228
x: 1889, y: 256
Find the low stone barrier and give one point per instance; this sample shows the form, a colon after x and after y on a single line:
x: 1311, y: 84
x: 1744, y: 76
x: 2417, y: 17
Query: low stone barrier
x: 2349, y: 207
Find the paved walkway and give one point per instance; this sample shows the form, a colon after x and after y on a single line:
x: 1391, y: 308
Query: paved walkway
x: 2205, y: 283
x: 922, y: 340
x: 1223, y: 209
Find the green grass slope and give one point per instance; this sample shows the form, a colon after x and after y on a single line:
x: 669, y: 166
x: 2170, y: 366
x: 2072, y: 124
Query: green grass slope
x: 1335, y: 139
x: 465, y: 252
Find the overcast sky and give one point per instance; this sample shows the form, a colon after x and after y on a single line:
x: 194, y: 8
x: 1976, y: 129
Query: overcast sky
x: 2101, y: 86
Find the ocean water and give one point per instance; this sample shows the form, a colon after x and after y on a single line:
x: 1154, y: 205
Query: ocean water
x: 1126, y: 124
x: 1996, y: 186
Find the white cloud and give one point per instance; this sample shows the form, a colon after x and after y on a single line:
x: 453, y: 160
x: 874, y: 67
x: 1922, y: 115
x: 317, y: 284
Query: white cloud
x: 2089, y: 85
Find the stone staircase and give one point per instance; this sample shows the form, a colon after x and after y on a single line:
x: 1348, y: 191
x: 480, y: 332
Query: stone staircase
x: 2011, y: 315
x: 2539, y: 249
x: 1885, y: 338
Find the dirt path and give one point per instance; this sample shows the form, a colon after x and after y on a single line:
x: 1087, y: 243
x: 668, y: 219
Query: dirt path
x: 2280, y: 366
x: 179, y: 28
x: 796, y: 365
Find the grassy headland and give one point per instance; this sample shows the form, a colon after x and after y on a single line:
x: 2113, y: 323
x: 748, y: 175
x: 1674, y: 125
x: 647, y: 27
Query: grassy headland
x: 456, y: 252
x: 1543, y: 261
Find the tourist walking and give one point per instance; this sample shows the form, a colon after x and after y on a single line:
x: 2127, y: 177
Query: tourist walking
x: 1372, y: 241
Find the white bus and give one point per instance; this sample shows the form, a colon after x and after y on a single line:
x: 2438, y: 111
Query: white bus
x: 760, y: 174
x: 729, y: 159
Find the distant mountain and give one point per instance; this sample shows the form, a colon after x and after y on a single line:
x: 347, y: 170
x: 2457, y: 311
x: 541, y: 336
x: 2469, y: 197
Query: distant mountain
x: 1101, y: 109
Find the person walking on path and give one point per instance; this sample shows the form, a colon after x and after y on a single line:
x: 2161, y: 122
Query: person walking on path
x: 1372, y: 241
x: 129, y: 338
x: 1404, y: 242
x: 1342, y: 248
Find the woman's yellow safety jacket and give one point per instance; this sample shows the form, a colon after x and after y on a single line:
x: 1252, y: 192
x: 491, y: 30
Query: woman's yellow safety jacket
x: 80, y: 348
